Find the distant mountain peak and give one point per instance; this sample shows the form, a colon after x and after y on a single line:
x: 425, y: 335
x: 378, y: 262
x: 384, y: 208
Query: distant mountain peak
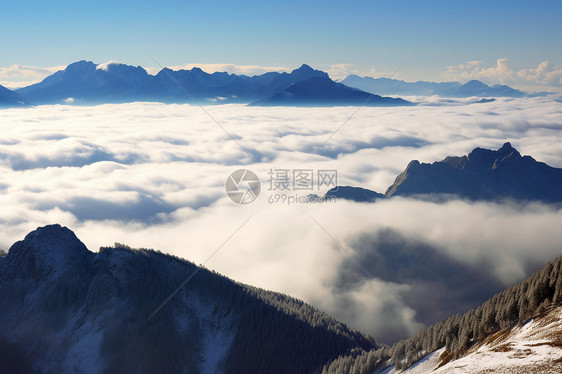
x: 305, y: 72
x: 489, y: 159
x: 476, y: 83
x: 483, y: 174
x: 305, y: 67
x: 506, y: 148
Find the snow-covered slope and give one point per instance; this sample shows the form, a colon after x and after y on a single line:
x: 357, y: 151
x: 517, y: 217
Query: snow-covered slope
x: 535, y: 347
x: 425, y: 365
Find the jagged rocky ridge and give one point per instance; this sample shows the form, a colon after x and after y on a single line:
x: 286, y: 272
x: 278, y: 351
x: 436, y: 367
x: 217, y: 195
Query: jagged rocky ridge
x: 481, y: 175
x: 65, y: 309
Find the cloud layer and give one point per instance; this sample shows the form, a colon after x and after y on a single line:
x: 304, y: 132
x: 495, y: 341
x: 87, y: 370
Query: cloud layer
x: 152, y: 175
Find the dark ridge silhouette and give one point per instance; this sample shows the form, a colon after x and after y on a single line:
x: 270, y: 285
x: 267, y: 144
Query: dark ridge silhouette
x: 356, y: 194
x: 482, y: 175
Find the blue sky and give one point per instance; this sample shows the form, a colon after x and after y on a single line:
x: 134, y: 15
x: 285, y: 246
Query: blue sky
x: 369, y: 37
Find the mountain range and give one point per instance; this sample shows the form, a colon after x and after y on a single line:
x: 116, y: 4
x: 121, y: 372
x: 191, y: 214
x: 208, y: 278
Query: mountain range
x: 85, y: 82
x: 387, y: 86
x: 483, y: 174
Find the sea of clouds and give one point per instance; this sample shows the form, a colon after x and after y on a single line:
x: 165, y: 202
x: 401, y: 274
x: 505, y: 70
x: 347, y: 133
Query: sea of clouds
x: 152, y: 175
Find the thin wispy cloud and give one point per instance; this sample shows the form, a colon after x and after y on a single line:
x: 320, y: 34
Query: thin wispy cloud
x: 546, y: 75
x: 16, y: 76
x: 105, y: 66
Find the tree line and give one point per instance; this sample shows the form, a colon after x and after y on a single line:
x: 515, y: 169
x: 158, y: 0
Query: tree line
x: 514, y: 306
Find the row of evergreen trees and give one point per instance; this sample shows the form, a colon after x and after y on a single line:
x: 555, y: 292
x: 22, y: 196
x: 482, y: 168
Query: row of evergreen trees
x: 514, y: 306
x: 272, y: 332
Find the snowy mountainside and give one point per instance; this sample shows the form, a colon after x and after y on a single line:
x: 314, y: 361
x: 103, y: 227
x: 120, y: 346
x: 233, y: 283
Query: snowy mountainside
x: 535, y: 347
x: 516, y: 330
x: 65, y: 309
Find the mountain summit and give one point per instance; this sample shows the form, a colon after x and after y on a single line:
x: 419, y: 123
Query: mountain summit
x: 306, y: 72
x: 48, y: 249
